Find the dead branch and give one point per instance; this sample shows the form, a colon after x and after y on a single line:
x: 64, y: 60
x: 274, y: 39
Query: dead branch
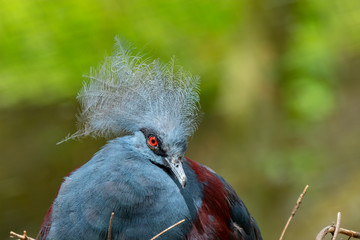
x: 331, y: 229
x: 20, y: 237
x: 297, y: 205
x: 335, y: 229
x: 158, y: 235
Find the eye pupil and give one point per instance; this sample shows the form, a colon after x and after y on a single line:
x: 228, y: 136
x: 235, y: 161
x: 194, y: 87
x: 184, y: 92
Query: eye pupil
x: 153, y: 141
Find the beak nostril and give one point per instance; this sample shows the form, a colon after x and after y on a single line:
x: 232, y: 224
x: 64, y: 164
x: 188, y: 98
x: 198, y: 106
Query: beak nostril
x: 176, y: 167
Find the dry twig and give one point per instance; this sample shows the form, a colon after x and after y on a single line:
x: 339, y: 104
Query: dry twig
x: 110, y: 223
x: 294, y: 211
x: 20, y: 237
x: 158, y: 235
x: 337, y: 226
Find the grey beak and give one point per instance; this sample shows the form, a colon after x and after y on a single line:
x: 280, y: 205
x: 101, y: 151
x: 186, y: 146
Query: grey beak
x: 177, y: 168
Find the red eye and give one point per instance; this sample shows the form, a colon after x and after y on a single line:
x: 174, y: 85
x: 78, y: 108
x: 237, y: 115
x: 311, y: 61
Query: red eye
x: 152, y: 141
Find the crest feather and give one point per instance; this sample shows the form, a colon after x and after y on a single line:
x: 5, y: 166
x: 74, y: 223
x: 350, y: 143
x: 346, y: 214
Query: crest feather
x: 128, y: 93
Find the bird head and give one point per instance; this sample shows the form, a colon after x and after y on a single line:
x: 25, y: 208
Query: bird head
x: 157, y: 103
x: 165, y: 149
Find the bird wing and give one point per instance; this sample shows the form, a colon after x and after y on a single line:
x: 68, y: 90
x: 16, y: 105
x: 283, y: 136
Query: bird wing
x: 222, y: 214
x: 243, y: 224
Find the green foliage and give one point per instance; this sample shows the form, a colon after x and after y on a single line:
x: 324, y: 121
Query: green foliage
x: 46, y: 46
x: 309, y: 99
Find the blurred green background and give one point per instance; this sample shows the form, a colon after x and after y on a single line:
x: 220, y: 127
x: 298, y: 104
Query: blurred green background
x: 280, y: 93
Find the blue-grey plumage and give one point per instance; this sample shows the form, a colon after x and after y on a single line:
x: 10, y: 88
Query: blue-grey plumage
x: 120, y: 179
x: 142, y: 175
